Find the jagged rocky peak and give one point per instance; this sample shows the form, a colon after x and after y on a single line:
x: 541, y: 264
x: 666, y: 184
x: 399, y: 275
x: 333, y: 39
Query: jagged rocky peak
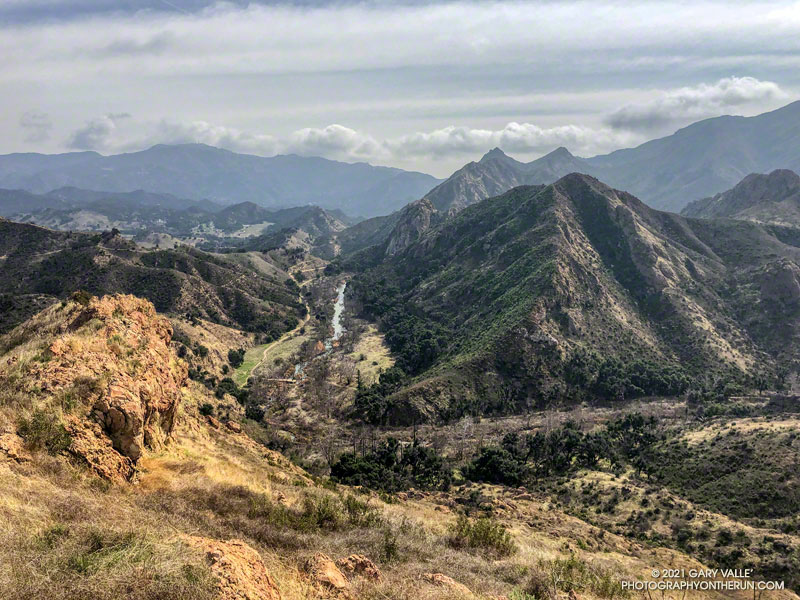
x: 494, y: 153
x: 415, y: 220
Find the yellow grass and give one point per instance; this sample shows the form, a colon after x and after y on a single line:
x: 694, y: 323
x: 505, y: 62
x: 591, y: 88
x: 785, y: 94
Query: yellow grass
x: 372, y: 345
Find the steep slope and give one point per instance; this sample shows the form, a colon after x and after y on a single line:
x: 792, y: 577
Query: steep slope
x: 93, y: 397
x: 38, y: 263
x: 492, y: 175
x: 198, y: 171
x: 771, y: 198
x: 306, y: 227
x: 547, y: 294
x: 496, y: 173
x: 704, y: 158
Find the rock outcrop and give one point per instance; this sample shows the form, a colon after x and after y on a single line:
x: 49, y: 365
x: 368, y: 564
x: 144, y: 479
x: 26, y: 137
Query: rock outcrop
x: 13, y: 447
x: 325, y: 573
x: 444, y: 581
x: 107, y: 361
x: 239, y: 570
x: 357, y: 565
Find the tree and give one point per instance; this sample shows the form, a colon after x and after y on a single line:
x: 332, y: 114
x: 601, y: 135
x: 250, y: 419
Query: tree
x: 495, y: 465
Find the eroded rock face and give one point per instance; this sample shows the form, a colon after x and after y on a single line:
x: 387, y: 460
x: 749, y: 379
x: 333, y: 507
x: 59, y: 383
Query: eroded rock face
x: 238, y: 568
x: 780, y: 282
x: 114, y: 356
x: 13, y: 446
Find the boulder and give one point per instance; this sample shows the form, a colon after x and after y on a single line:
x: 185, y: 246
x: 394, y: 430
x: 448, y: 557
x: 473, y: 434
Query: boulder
x: 325, y: 572
x: 358, y: 565
x: 239, y: 570
x: 234, y: 426
x: 448, y: 582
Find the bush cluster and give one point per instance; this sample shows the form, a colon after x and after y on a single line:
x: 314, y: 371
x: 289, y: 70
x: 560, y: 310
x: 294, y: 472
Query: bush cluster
x: 392, y: 467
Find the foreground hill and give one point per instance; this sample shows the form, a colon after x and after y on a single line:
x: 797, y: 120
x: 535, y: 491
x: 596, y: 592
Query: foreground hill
x: 198, y: 171
x: 39, y: 266
x: 764, y: 198
x: 575, y: 289
x: 94, y: 400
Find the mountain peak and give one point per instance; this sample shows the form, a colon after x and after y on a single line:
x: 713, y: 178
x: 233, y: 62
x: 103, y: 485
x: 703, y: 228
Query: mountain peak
x: 493, y: 153
x: 560, y: 152
x: 767, y: 198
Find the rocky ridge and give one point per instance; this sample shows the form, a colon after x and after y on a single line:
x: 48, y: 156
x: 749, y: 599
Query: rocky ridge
x: 106, y: 367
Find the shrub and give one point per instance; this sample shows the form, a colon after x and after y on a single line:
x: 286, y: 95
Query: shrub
x: 45, y: 431
x: 576, y: 575
x: 390, y: 550
x: 483, y: 534
x: 228, y: 386
x: 359, y: 513
x: 495, y: 465
x: 206, y: 409
x: 236, y: 357
x: 390, y: 468
x: 81, y: 297
x: 254, y: 412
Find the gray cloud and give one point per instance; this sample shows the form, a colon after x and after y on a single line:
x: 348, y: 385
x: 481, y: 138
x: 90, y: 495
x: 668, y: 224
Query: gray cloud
x: 421, y: 85
x: 689, y: 104
x: 97, y: 134
x: 155, y: 44
x: 37, y: 126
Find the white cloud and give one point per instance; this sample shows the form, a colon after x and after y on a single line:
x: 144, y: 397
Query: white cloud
x: 201, y: 132
x: 343, y: 143
x: 37, y: 125
x: 335, y: 141
x: 521, y: 138
x: 689, y: 104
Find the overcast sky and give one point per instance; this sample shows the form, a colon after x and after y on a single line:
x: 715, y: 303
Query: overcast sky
x: 419, y: 85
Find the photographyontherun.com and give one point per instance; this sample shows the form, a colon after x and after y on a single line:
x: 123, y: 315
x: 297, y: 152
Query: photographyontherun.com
x: 702, y: 580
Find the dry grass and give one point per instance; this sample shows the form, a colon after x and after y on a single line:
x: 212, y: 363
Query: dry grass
x: 72, y: 535
x: 376, y: 355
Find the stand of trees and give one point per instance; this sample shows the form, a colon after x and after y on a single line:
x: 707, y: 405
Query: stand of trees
x: 392, y: 467
x: 628, y: 440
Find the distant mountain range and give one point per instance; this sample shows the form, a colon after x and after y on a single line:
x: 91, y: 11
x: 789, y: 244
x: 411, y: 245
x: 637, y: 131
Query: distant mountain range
x: 695, y: 162
x: 702, y: 159
x: 765, y: 198
x: 164, y: 220
x: 548, y: 292
x: 197, y: 171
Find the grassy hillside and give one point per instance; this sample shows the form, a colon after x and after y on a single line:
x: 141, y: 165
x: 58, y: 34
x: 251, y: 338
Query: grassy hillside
x: 38, y: 263
x: 215, y: 515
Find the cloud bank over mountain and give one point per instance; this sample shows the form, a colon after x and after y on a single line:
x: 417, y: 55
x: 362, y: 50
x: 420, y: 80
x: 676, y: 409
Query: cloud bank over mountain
x: 417, y: 84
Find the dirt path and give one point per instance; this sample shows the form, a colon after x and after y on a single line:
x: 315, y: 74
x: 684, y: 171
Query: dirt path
x: 286, y: 335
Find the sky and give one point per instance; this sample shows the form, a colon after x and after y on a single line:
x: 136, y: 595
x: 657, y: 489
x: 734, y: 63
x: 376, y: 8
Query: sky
x: 419, y: 85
